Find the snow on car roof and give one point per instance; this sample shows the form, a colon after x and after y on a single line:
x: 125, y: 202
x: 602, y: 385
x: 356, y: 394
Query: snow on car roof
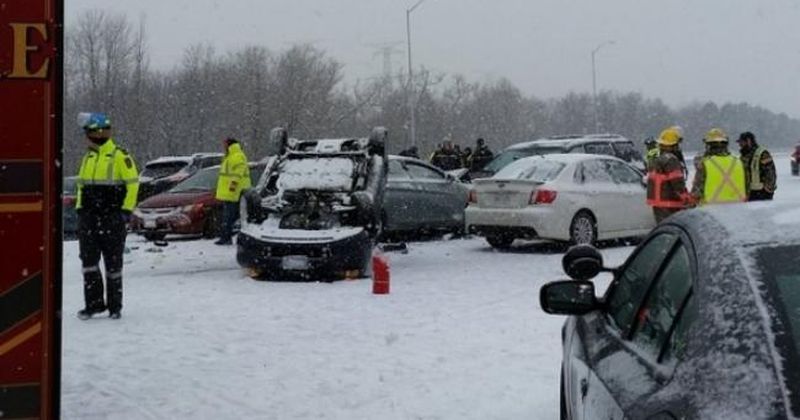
x: 569, y: 157
x: 566, y: 141
x: 754, y: 223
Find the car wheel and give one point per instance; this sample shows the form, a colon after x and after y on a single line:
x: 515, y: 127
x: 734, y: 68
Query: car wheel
x: 210, y: 227
x: 154, y: 236
x: 583, y: 229
x: 500, y: 241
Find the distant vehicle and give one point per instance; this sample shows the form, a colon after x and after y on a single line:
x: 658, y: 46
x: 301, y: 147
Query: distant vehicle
x: 596, y: 144
x: 189, y: 208
x: 795, y: 161
x: 165, y: 172
x: 578, y: 198
x: 316, y: 211
x: 701, y: 322
x: 68, y: 212
x: 421, y: 198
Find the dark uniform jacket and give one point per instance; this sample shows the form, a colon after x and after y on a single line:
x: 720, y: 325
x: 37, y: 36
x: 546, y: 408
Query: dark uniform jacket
x: 759, y: 162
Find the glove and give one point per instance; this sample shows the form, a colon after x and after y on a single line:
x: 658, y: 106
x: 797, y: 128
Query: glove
x: 126, y: 216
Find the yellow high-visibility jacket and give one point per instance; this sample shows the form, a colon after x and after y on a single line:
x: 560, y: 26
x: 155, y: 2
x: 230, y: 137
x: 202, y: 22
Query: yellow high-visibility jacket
x: 107, y: 180
x: 234, y: 175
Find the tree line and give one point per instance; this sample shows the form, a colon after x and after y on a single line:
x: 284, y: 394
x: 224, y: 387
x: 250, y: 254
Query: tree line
x: 209, y: 96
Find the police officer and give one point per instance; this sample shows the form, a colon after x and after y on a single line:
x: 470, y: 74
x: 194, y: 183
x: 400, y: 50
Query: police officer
x: 480, y: 156
x: 719, y: 176
x: 108, y: 183
x: 759, y: 169
x: 666, y: 182
x: 234, y: 178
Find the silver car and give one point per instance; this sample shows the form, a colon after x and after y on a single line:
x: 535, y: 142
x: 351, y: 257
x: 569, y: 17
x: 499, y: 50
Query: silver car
x: 579, y: 198
x: 422, y: 198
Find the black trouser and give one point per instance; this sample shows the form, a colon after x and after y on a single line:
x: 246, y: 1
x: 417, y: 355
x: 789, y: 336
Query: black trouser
x: 230, y: 213
x: 102, y: 234
x: 759, y: 195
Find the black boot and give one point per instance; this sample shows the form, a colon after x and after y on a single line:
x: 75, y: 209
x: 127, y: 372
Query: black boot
x: 87, y: 313
x: 114, y: 315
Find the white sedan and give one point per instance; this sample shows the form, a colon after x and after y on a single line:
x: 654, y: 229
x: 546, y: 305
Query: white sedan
x: 579, y: 198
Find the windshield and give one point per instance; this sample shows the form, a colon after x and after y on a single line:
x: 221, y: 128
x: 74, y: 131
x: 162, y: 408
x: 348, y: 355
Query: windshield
x: 204, y: 180
x: 509, y: 155
x: 534, y: 169
x: 317, y: 173
x: 160, y: 170
x: 780, y: 268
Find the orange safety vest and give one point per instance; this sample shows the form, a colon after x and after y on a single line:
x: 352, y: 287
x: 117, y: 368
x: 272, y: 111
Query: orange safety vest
x: 656, y: 181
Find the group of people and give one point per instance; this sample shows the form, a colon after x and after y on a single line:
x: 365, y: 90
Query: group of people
x: 108, y: 185
x: 720, y: 177
x: 449, y: 156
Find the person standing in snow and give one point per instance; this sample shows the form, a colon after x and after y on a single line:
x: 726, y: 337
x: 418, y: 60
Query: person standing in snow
x: 234, y: 178
x: 108, y: 183
x: 480, y: 156
x: 719, y: 176
x: 666, y: 183
x: 759, y: 168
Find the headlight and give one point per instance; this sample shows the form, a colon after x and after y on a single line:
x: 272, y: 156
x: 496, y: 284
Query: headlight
x: 192, y: 207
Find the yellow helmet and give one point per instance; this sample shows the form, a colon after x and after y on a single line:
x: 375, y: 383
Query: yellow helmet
x: 669, y: 137
x: 715, y: 135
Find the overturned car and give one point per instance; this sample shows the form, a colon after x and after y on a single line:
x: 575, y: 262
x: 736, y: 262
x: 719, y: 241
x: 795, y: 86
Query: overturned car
x: 315, y: 212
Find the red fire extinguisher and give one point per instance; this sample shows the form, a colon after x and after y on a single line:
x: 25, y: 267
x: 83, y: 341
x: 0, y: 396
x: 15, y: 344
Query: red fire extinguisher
x: 380, y: 275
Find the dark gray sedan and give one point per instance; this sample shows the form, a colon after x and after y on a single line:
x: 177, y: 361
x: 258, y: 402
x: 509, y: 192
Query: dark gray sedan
x: 701, y: 322
x: 420, y: 198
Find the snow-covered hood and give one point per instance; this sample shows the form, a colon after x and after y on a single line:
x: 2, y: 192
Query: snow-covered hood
x: 270, y: 231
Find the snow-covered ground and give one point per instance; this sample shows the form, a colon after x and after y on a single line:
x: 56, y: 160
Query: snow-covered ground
x: 461, y: 336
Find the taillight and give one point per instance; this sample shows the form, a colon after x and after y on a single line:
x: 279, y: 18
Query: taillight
x: 473, y: 196
x: 542, y: 196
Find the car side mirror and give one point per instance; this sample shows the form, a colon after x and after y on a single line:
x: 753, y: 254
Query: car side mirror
x: 568, y: 297
x: 582, y: 262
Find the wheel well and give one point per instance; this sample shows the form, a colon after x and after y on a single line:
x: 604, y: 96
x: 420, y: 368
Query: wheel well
x: 587, y: 211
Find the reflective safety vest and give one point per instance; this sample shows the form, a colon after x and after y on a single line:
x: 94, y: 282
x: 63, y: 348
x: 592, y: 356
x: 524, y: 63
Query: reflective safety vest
x: 107, y: 179
x: 234, y: 175
x: 724, y: 180
x: 656, y: 196
x: 755, y: 170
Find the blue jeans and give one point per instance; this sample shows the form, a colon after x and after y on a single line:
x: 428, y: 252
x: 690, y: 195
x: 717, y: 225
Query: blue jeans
x: 230, y: 213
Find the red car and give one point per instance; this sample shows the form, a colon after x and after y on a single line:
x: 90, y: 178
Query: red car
x: 189, y: 208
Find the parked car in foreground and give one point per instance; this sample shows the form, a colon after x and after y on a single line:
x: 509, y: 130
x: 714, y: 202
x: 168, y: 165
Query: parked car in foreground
x: 795, y: 160
x: 69, y: 214
x: 163, y: 173
x: 421, y: 198
x: 578, y: 198
x: 596, y: 144
x: 189, y: 208
x: 701, y: 322
x: 316, y: 211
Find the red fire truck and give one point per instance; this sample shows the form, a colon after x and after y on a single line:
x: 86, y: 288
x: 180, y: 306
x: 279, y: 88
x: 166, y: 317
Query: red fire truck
x: 30, y: 231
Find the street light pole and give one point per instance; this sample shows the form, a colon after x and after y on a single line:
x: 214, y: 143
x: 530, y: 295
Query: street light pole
x: 594, y: 84
x: 411, y: 94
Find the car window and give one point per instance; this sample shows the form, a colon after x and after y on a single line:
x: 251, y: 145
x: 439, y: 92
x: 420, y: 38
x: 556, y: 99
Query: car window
x: 577, y: 149
x: 535, y: 169
x: 626, y: 151
x: 599, y: 149
x: 397, y: 170
x: 510, y: 155
x: 255, y: 173
x: 678, y: 340
x: 622, y: 173
x: 592, y: 172
x: 210, y: 161
x: 655, y: 318
x: 422, y: 172
x: 628, y: 290
x: 162, y: 169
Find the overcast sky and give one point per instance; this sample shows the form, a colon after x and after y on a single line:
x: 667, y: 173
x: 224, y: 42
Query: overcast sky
x: 678, y: 50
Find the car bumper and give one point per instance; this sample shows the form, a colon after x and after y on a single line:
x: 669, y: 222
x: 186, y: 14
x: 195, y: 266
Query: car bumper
x: 341, y: 258
x: 526, y: 223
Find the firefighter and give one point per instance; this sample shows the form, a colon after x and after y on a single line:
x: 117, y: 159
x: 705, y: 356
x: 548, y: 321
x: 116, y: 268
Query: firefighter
x: 666, y: 183
x: 652, y: 151
x: 759, y: 169
x: 108, y: 183
x: 719, y: 176
x: 234, y: 178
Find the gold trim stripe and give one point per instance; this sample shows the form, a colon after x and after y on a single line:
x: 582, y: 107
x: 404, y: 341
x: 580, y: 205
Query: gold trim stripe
x: 20, y: 338
x: 21, y: 207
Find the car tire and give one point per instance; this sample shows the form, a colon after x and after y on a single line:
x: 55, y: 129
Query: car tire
x: 154, y: 236
x: 583, y: 229
x: 500, y: 241
x: 211, y: 226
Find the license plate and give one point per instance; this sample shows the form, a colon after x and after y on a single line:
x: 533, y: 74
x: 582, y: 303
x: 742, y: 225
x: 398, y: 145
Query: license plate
x: 150, y: 224
x: 294, y: 262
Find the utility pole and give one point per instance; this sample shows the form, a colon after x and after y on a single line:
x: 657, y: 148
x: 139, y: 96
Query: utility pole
x: 594, y: 85
x: 411, y: 90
